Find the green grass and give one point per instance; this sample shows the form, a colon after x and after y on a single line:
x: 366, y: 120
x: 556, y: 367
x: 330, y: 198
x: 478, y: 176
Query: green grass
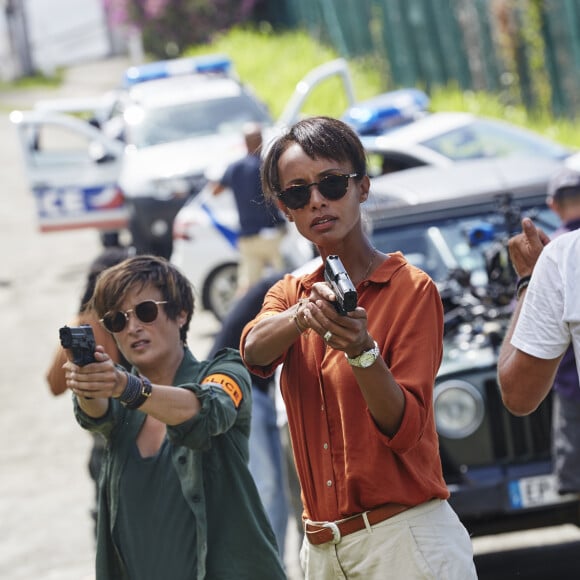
x: 38, y: 81
x: 272, y: 63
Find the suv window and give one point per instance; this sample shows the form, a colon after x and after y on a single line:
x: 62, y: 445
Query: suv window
x: 439, y: 245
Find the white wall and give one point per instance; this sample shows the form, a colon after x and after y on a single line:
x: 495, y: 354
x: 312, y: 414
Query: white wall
x: 63, y: 32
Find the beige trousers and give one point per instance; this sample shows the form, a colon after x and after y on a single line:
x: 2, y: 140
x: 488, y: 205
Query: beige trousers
x: 258, y: 254
x: 427, y: 542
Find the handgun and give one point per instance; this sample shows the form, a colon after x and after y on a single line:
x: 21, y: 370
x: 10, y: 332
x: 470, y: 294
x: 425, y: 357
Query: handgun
x: 341, y: 284
x: 80, y: 340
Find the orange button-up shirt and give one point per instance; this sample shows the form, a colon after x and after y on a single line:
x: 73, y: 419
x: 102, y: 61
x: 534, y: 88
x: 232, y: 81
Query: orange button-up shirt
x: 345, y: 464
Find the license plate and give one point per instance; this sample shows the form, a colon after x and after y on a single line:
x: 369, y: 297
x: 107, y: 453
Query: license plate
x: 535, y: 491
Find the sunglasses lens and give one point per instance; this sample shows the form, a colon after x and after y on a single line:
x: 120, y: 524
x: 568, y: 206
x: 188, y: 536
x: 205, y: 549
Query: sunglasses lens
x: 333, y: 186
x: 114, y: 322
x: 146, y: 311
x: 295, y: 197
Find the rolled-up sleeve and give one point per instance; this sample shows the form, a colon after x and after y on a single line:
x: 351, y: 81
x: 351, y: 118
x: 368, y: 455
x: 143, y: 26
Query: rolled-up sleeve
x: 224, y: 393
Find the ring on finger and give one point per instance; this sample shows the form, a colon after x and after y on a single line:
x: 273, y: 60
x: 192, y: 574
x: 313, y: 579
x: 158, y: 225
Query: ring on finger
x: 327, y: 336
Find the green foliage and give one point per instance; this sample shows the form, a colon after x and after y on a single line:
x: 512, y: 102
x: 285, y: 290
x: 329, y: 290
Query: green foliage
x: 273, y: 63
x: 168, y: 26
x: 38, y: 81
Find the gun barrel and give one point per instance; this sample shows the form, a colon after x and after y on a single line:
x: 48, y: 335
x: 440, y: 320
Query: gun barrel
x: 337, y: 276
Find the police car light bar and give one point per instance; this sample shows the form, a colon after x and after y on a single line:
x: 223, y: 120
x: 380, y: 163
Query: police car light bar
x: 211, y: 63
x: 386, y: 111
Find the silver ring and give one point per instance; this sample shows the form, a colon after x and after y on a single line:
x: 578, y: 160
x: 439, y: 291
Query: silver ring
x: 327, y: 336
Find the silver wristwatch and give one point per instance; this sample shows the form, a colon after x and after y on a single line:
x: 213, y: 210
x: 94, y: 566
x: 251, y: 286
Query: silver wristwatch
x: 366, y: 358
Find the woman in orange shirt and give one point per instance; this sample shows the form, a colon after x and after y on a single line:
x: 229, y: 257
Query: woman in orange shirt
x: 358, y: 387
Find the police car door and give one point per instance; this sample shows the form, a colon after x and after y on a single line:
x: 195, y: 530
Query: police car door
x: 72, y: 170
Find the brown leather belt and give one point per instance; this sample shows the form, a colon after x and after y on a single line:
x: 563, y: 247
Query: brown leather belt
x: 323, y: 532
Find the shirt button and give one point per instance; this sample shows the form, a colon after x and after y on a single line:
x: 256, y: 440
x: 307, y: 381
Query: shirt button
x: 329, y: 483
x: 325, y: 446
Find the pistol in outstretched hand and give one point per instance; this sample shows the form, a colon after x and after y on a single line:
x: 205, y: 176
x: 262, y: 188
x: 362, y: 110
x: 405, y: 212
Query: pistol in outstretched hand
x: 80, y: 340
x: 341, y: 284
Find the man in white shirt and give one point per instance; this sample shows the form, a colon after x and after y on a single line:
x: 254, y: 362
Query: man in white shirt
x: 546, y: 322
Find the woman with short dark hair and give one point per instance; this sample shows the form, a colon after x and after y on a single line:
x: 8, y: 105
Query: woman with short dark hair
x: 357, y: 381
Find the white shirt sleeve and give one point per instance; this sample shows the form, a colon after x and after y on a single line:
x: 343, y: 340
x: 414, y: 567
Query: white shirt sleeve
x: 542, y: 330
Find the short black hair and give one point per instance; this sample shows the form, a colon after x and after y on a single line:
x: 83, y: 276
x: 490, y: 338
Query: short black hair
x: 320, y: 138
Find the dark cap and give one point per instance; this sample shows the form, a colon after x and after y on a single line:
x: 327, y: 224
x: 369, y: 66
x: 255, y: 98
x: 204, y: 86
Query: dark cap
x: 564, y: 182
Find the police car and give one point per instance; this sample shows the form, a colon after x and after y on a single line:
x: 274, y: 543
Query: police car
x: 439, y: 139
x: 148, y: 147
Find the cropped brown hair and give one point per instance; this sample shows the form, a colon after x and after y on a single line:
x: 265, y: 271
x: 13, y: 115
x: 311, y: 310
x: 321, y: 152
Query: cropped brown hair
x: 136, y: 273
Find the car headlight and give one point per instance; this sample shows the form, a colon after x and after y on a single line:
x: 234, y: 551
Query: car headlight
x: 459, y: 409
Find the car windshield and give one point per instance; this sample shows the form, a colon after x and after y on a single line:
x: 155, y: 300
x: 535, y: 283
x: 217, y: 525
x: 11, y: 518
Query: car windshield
x: 483, y: 138
x: 221, y: 116
x: 441, y: 245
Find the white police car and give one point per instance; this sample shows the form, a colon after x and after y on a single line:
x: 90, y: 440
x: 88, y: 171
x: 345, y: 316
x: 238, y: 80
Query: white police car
x: 154, y: 140
x: 398, y: 134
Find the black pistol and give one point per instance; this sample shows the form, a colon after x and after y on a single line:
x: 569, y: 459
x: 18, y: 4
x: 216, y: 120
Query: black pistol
x: 80, y: 340
x: 341, y: 284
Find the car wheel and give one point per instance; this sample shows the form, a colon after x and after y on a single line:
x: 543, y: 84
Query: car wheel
x: 220, y: 290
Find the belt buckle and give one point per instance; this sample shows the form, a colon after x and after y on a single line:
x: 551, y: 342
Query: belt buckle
x: 336, y: 537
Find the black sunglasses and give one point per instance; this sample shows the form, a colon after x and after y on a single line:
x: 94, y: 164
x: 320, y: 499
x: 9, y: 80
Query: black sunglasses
x: 332, y: 187
x: 145, y: 311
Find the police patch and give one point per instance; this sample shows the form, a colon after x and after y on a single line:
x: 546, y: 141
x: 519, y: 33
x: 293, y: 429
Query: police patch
x: 227, y: 384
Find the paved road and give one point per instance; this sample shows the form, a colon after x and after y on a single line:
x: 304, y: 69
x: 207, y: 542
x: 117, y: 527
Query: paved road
x: 45, y: 491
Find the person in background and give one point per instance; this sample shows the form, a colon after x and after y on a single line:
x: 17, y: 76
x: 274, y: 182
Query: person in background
x: 177, y: 499
x: 55, y: 373
x: 564, y: 200
x: 265, y: 444
x: 546, y: 319
x: 262, y: 226
x: 358, y: 387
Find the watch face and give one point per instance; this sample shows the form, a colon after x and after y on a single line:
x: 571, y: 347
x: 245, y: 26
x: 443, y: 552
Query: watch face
x: 367, y: 359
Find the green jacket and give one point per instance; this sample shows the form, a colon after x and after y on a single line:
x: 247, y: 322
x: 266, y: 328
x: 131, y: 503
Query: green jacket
x: 210, y: 456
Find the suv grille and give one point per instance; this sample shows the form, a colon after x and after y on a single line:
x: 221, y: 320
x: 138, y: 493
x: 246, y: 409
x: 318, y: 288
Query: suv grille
x: 518, y: 439
x: 502, y: 438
